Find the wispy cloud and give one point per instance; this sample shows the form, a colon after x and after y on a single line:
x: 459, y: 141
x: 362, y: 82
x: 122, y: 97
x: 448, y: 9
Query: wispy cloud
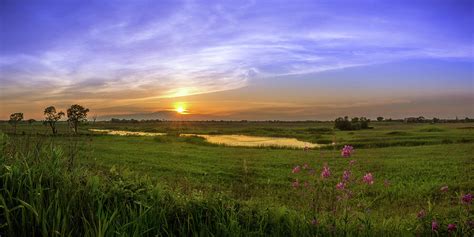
x: 198, y: 48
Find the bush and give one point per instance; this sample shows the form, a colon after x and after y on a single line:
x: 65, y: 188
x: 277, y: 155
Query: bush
x: 354, y: 124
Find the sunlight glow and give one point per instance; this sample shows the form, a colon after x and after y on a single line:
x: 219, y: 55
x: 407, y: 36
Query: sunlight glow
x: 180, y: 108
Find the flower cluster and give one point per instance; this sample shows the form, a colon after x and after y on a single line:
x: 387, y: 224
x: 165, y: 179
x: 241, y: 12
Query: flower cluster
x: 467, y: 199
x: 296, y: 170
x: 326, y: 172
x: 369, y: 179
x: 347, y: 151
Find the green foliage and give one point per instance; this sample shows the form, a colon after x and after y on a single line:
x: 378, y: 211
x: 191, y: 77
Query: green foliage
x: 15, y: 118
x: 355, y: 124
x: 171, y: 185
x: 76, y: 114
x: 41, y: 197
x: 51, y: 117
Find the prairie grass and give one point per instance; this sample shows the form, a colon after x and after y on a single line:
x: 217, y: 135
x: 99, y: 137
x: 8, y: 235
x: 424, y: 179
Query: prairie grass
x: 104, y: 185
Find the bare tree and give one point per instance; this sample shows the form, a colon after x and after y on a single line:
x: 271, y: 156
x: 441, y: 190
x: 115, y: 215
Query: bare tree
x: 94, y: 118
x: 15, y: 118
x: 51, y: 117
x: 76, y: 114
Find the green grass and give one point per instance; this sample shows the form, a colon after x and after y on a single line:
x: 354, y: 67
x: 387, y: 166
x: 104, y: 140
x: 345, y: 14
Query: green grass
x: 187, y: 179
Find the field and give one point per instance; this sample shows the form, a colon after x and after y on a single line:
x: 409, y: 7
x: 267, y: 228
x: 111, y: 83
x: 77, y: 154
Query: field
x: 121, y: 184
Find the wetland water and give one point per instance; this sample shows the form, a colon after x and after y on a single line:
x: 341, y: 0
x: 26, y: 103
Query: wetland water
x: 229, y: 140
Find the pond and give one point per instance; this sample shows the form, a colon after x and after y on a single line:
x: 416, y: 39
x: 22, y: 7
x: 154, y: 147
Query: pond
x: 229, y: 140
x: 255, y: 141
x: 126, y: 133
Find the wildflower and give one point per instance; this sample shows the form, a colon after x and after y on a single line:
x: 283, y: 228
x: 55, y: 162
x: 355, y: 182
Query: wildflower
x: 314, y: 222
x: 347, y: 151
x: 434, y: 226
x: 305, y: 166
x: 467, y: 199
x: 451, y: 227
x: 296, y: 170
x: 341, y: 186
x: 296, y: 184
x: 444, y: 189
x: 346, y: 175
x: 368, y: 178
x: 326, y: 172
x: 421, y: 214
x: 352, y: 162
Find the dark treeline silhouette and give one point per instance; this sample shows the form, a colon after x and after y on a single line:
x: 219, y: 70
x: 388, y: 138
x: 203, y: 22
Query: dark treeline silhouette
x: 355, y: 123
x: 75, y: 114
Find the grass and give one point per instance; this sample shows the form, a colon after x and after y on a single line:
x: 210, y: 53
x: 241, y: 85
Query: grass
x: 153, y: 185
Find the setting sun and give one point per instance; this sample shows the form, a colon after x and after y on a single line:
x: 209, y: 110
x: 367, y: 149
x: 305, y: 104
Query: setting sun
x: 180, y: 108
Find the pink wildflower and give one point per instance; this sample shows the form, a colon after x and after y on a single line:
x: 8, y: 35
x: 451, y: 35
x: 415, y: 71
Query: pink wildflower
x: 341, y: 185
x: 346, y: 176
x: 352, y: 162
x: 305, y: 166
x: 421, y: 214
x: 296, y: 184
x: 467, y: 199
x: 326, y: 172
x: 434, y: 226
x: 347, y: 151
x: 451, y: 227
x: 369, y: 179
x: 296, y: 170
x: 444, y: 189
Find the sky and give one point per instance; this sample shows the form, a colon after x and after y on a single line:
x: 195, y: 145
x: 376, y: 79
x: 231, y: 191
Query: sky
x: 255, y: 60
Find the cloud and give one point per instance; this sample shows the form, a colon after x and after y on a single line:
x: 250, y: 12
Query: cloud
x: 195, y: 49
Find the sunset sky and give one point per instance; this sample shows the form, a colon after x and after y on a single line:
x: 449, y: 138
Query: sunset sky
x: 256, y: 60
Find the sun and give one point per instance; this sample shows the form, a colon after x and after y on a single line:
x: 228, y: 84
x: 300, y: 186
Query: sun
x: 180, y: 108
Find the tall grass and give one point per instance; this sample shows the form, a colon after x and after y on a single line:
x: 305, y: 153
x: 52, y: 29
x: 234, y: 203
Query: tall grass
x: 43, y: 192
x: 42, y: 195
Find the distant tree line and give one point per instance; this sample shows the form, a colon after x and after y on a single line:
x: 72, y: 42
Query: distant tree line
x: 356, y: 123
x: 422, y: 119
x: 75, y: 114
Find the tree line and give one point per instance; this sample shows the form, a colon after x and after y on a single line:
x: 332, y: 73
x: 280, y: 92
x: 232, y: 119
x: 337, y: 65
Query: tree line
x: 356, y: 123
x: 75, y: 114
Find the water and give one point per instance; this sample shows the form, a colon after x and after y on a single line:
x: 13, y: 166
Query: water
x: 255, y: 141
x: 229, y: 140
x: 127, y: 133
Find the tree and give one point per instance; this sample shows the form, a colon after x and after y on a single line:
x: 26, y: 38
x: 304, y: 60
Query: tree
x: 343, y: 123
x: 380, y: 119
x: 94, y: 118
x: 51, y: 117
x: 15, y: 118
x: 355, y: 123
x: 364, y: 123
x: 76, y: 114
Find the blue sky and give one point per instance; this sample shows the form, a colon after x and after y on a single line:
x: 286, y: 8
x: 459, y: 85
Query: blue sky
x: 141, y: 56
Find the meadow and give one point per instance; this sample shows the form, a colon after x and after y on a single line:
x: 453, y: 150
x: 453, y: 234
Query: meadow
x: 401, y: 179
